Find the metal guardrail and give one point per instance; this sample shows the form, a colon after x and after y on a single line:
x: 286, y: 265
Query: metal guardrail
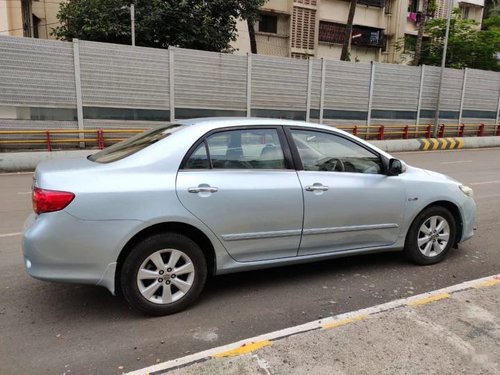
x: 381, y: 132
x: 56, y: 138
x: 51, y: 139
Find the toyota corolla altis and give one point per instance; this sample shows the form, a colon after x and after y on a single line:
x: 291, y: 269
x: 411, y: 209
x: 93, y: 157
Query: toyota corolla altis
x: 154, y: 215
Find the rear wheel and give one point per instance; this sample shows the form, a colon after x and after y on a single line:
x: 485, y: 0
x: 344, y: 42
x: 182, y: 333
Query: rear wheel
x: 163, y: 274
x: 431, y: 236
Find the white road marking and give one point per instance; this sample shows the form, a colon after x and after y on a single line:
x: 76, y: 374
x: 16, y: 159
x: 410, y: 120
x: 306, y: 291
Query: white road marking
x: 485, y: 182
x: 10, y: 234
x: 317, y: 324
x: 263, y: 364
x: 456, y: 162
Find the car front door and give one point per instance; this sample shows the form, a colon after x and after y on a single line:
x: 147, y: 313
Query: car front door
x: 349, y: 202
x: 241, y: 184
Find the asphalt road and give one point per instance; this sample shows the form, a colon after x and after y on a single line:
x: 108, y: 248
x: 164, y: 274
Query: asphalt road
x: 48, y: 328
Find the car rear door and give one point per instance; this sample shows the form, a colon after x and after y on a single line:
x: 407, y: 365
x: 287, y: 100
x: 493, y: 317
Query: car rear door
x: 349, y: 202
x: 241, y: 184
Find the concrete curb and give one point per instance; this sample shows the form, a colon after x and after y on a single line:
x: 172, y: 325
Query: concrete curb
x: 27, y: 161
x: 398, y: 145
x: 238, y: 349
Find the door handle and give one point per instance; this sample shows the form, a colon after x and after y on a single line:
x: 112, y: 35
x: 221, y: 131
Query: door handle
x: 316, y: 188
x: 203, y: 189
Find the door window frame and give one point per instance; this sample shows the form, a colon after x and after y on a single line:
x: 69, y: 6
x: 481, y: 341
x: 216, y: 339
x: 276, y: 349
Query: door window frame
x: 290, y: 163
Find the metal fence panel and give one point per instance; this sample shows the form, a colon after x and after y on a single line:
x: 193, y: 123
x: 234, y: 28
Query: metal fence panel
x: 6, y: 124
x: 118, y: 124
x: 452, y: 90
x: 279, y: 83
x: 316, y: 84
x: 125, y: 86
x: 481, y: 95
x: 430, y: 89
x: 210, y: 80
x: 36, y: 73
x: 347, y: 86
x: 124, y: 76
x: 396, y: 87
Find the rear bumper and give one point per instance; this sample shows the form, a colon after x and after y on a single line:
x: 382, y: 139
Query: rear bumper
x: 60, y: 247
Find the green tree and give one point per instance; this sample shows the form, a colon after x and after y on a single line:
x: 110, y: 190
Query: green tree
x: 345, y: 54
x: 199, y: 24
x: 250, y: 12
x: 491, y: 7
x: 468, y: 46
x: 420, y: 34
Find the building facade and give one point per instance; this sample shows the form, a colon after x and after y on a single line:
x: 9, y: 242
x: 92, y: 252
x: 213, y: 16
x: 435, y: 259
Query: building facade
x: 304, y: 28
x: 28, y: 18
x: 289, y: 28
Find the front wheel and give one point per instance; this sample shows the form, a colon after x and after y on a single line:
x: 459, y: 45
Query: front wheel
x: 431, y: 236
x: 163, y: 274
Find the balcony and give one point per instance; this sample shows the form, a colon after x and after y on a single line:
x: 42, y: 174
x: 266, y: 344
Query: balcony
x: 478, y: 3
x: 362, y: 36
x: 373, y: 3
x: 367, y: 37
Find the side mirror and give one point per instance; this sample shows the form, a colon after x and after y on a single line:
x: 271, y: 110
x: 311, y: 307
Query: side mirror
x: 395, y: 167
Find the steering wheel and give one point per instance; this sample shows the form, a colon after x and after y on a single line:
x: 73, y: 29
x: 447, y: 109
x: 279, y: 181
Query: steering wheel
x: 332, y: 164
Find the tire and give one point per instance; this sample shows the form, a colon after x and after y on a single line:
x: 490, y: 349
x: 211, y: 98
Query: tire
x: 173, y: 271
x: 430, y: 236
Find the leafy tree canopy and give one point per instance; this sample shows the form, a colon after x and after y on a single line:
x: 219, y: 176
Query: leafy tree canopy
x: 468, y: 46
x: 199, y: 24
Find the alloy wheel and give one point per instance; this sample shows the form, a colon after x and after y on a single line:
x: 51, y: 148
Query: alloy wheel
x: 165, y: 276
x: 433, y: 236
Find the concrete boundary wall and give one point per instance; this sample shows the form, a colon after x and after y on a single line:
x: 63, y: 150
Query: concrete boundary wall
x: 27, y: 161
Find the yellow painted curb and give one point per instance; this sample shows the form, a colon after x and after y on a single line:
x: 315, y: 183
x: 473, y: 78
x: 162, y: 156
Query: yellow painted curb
x: 428, y: 144
x: 244, y: 349
x: 487, y: 283
x: 343, y: 322
x: 452, y: 142
x: 424, y: 144
x: 430, y: 299
x: 435, y: 143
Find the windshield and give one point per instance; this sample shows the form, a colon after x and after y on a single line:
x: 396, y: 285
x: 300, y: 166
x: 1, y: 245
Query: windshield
x: 134, y: 144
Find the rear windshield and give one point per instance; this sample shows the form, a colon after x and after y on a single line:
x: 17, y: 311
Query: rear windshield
x: 134, y: 144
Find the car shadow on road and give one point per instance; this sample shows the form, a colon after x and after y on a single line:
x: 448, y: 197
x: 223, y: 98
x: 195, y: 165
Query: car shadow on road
x: 304, y: 273
x: 65, y: 301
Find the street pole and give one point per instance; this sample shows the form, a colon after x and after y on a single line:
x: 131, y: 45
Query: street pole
x: 443, y: 63
x: 132, y: 21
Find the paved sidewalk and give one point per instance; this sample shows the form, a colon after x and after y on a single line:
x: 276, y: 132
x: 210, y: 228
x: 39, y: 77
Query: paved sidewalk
x: 455, y: 330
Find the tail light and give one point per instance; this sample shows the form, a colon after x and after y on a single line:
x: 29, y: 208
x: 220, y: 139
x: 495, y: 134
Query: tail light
x: 50, y: 200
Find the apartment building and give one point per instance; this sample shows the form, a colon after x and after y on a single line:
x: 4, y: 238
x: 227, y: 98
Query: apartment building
x: 290, y: 28
x: 471, y: 9
x: 303, y: 28
x: 28, y: 18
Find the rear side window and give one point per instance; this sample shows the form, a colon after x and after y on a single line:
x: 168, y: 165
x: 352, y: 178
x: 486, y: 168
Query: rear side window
x: 134, y: 144
x: 239, y: 149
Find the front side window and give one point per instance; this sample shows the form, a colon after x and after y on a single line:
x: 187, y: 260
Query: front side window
x: 320, y: 151
x: 239, y: 149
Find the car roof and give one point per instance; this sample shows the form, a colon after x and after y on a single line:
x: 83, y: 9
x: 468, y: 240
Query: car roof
x: 244, y: 121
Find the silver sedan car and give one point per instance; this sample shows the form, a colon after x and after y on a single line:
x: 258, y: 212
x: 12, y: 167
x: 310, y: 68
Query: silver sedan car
x: 154, y: 215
